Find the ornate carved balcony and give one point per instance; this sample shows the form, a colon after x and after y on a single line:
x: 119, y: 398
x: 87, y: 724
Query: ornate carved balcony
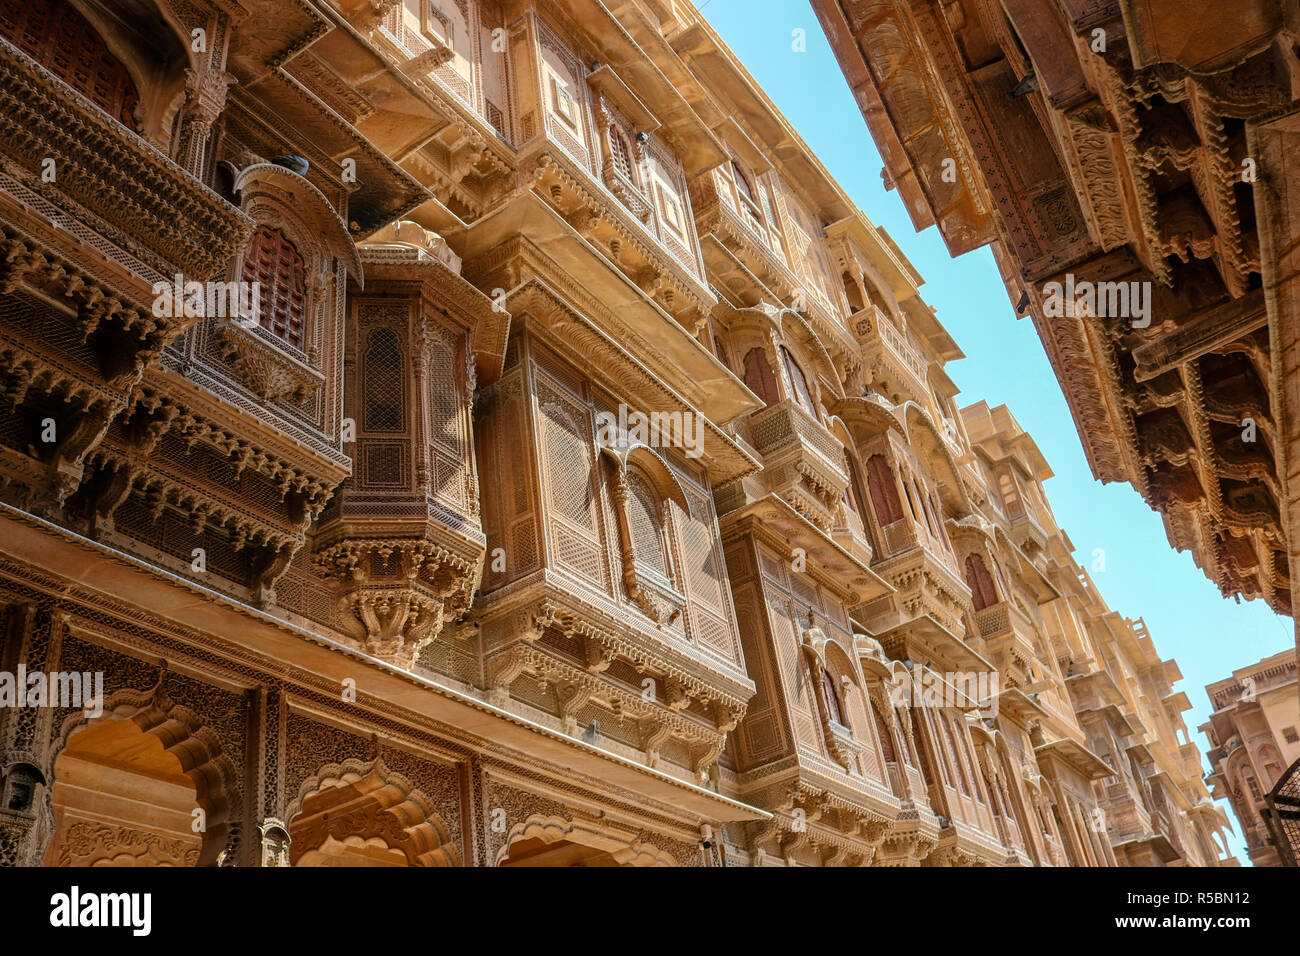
x: 925, y: 575
x: 803, y: 462
x: 112, y: 190
x: 735, y: 244
x: 1008, y: 638
x: 897, y: 367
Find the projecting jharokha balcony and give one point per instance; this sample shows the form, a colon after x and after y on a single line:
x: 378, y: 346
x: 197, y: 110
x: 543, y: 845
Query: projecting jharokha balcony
x: 891, y: 354
x: 801, y: 460
x: 67, y: 162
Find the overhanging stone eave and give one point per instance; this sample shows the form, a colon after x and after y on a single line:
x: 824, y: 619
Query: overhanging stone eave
x: 772, y: 514
x: 1076, y: 756
x: 939, y: 640
x: 694, y: 371
x: 81, y: 564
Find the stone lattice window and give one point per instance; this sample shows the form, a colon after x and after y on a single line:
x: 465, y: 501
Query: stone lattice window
x: 273, y: 261
x: 646, y: 524
x: 620, y: 154
x: 59, y: 38
x: 383, y: 382
x: 833, y: 698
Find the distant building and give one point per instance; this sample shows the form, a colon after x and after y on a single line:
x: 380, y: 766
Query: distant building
x: 1254, y: 735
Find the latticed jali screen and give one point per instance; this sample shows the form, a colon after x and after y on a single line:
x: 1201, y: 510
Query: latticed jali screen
x: 1284, y: 804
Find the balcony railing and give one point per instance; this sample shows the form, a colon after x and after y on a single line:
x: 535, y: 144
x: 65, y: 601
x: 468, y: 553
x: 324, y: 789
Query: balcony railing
x: 904, y: 534
x: 804, y: 460
x: 118, y: 177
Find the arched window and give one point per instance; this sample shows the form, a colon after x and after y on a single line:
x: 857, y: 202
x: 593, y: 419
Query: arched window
x: 833, y: 698
x: 745, y: 188
x: 758, y: 375
x: 800, y: 383
x: 59, y: 38
x: 272, y: 260
x: 884, y: 490
x: 882, y: 729
x: 645, y: 521
x: 619, y: 153
x: 983, y: 593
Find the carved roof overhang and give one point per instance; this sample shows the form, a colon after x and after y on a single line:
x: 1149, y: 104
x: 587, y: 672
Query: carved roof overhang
x: 886, y: 261
x: 443, y: 289
x: 1020, y: 706
x: 926, y: 639
x: 966, y: 844
x: 102, y: 295
x: 734, y: 90
x: 381, y: 191
x: 271, y: 32
x: 538, y: 308
x: 552, y: 600
x: 533, y: 241
x: 603, y: 222
x: 723, y: 242
x: 774, y: 520
x: 82, y: 570
x: 1044, y: 589
x: 278, y: 450
x: 551, y: 667
x: 528, y: 238
x: 461, y: 548
x: 906, y: 110
x: 604, y: 82
x: 1226, y: 37
x: 1095, y: 690
x: 838, y: 810
x: 121, y: 179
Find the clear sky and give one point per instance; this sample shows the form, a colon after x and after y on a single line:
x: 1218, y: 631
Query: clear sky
x: 1188, y: 619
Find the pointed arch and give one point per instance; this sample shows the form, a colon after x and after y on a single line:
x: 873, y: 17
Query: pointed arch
x: 759, y: 377
x: 165, y: 740
x: 983, y: 591
x: 619, y: 848
x: 360, y: 812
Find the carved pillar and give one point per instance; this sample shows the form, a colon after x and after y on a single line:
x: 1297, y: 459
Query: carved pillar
x: 37, y: 630
x: 205, y: 99
x: 275, y: 842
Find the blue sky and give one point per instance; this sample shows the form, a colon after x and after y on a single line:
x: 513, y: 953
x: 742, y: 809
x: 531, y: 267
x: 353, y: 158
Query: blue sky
x: 1207, y: 634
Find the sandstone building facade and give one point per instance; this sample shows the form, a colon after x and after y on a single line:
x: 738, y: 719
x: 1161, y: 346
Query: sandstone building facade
x: 580, y: 485
x: 1254, y: 736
